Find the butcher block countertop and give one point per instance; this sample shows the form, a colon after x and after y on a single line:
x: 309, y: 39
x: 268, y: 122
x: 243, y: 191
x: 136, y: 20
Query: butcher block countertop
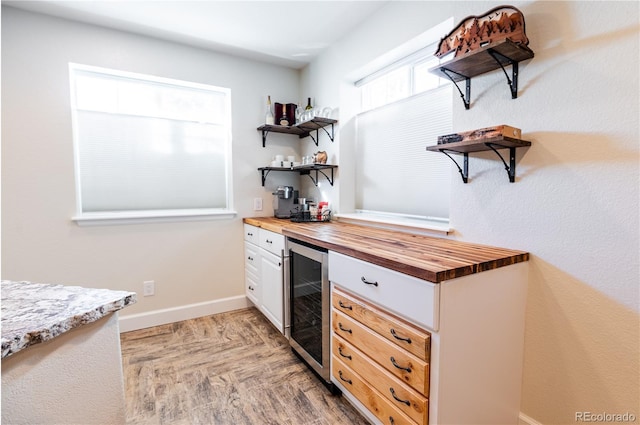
x: 425, y: 257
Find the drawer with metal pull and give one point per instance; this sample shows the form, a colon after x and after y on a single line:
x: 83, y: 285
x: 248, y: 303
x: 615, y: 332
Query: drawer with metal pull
x: 414, y: 299
x: 271, y: 241
x: 375, y: 402
x: 403, y: 397
x: 404, y: 365
x: 251, y: 234
x: 403, y: 334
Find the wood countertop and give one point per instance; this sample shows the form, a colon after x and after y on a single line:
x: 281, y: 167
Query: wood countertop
x: 425, y: 257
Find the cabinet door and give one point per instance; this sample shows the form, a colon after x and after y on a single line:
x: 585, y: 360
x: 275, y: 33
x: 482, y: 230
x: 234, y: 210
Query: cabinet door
x: 271, y: 267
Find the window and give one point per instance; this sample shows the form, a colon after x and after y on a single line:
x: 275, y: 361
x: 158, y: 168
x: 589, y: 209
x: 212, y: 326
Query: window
x: 148, y: 146
x: 404, y: 109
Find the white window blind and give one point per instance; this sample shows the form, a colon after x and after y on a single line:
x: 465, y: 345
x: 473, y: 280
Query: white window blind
x: 149, y: 144
x: 395, y: 173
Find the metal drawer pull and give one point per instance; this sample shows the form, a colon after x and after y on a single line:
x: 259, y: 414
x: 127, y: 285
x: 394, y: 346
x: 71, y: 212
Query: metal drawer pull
x: 393, y: 393
x: 342, y: 354
x: 268, y: 241
x: 250, y: 258
x: 395, y: 335
x: 249, y: 234
x: 391, y: 421
x: 346, y: 307
x: 344, y: 329
x: 368, y: 282
x: 406, y: 369
x: 348, y: 381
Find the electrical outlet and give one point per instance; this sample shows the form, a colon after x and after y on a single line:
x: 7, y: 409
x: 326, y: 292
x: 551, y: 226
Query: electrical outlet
x: 148, y: 288
x: 257, y: 204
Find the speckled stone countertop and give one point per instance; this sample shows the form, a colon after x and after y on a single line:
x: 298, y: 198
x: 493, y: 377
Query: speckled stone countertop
x: 37, y: 312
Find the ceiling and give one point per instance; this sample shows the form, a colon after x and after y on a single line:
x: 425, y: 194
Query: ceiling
x: 288, y: 33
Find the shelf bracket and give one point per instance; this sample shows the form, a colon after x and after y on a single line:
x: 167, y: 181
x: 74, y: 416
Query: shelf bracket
x: 326, y: 131
x: 466, y: 97
x: 316, y: 139
x: 513, y: 81
x: 264, y: 175
x: 315, y: 181
x: 511, y: 168
x: 464, y: 171
x: 264, y: 140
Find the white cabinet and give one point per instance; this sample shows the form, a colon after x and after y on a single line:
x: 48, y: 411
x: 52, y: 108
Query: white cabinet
x: 265, y: 265
x: 252, y: 272
x: 272, y: 288
x: 475, y: 325
x: 252, y: 265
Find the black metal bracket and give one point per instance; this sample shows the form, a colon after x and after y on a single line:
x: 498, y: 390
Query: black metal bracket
x: 315, y: 181
x: 264, y: 140
x: 317, y: 138
x: 466, y: 96
x: 464, y: 171
x: 511, y: 168
x: 513, y: 81
x: 265, y: 172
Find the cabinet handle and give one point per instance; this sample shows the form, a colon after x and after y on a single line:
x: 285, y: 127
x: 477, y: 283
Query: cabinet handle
x: 369, y: 282
x: 346, y: 307
x: 250, y: 258
x: 395, y: 335
x: 348, y: 381
x: 406, y: 369
x: 268, y: 241
x: 343, y: 329
x: 342, y: 354
x: 249, y: 234
x: 393, y: 393
x: 391, y: 421
x: 250, y: 288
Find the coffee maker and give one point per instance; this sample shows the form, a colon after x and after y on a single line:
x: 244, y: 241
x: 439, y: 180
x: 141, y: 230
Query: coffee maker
x: 284, y: 198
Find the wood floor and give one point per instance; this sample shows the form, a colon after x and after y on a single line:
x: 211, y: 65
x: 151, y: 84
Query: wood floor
x: 227, y: 369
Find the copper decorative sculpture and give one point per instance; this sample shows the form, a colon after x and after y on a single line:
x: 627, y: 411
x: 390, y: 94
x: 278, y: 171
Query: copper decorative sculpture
x: 474, y: 32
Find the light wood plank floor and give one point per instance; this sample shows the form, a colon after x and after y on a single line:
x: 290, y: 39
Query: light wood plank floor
x: 227, y: 369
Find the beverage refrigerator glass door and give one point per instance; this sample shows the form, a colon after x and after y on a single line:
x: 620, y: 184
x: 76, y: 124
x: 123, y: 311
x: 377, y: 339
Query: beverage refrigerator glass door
x: 310, y: 307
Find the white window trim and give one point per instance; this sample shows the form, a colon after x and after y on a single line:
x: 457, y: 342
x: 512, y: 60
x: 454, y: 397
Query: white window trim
x: 147, y: 216
x: 159, y: 216
x: 396, y: 221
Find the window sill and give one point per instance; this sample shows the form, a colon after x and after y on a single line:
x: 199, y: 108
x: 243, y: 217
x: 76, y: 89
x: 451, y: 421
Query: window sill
x: 142, y: 217
x: 396, y: 222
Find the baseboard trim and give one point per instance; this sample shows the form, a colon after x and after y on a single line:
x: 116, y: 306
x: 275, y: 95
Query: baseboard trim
x: 176, y: 314
x: 526, y: 420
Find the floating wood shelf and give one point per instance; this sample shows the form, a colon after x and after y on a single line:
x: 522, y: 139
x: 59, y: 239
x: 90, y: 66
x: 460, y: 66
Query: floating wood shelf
x: 303, y: 170
x: 485, y: 59
x: 301, y: 130
x: 493, y: 143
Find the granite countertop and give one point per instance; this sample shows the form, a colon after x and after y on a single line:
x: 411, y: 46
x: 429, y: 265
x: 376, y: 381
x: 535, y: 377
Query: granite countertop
x: 426, y: 257
x: 37, y: 312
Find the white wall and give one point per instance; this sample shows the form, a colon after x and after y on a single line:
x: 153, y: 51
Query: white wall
x: 574, y: 205
x: 191, y: 262
x: 73, y: 378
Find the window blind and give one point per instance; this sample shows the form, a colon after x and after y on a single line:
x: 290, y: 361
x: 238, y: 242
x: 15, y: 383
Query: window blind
x: 395, y: 173
x: 149, y: 144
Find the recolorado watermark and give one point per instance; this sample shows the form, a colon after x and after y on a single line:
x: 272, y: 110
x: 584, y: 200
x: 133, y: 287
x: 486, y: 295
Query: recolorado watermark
x: 605, y: 417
